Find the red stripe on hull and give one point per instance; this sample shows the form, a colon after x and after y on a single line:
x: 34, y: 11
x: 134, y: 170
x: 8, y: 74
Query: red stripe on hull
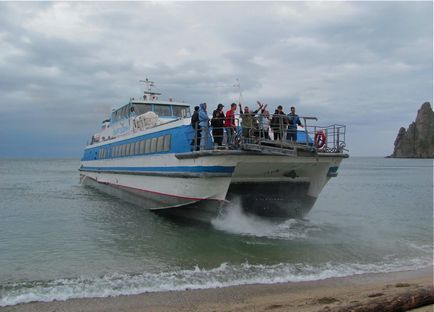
x: 148, y: 191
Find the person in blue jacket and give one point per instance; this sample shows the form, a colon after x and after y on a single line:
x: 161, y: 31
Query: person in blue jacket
x: 294, y: 120
x: 204, y: 124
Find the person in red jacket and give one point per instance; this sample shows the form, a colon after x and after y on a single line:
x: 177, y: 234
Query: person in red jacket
x: 230, y: 123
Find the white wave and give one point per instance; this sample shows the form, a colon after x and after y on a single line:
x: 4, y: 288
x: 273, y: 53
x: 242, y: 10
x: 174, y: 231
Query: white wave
x: 425, y: 248
x: 198, y: 278
x: 235, y: 221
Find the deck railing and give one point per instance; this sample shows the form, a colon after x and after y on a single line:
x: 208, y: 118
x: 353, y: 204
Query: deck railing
x: 259, y: 132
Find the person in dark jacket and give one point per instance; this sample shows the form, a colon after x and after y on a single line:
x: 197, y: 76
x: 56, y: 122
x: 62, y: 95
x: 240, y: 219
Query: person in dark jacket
x: 278, y: 123
x: 195, y: 124
x: 217, y: 123
x: 294, y: 120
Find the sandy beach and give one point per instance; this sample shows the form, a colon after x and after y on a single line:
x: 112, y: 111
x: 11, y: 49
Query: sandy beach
x: 365, y: 292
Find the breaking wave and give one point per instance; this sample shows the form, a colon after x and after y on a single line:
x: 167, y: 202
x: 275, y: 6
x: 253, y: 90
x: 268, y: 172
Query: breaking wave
x: 197, y: 278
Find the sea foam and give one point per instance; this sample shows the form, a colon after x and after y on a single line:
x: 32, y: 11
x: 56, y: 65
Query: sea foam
x: 235, y: 221
x: 224, y: 275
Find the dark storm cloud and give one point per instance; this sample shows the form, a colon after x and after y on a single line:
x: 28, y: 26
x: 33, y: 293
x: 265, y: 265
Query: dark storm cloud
x: 63, y: 66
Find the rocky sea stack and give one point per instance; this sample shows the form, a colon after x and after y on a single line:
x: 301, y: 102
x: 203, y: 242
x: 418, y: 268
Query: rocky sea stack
x: 418, y: 140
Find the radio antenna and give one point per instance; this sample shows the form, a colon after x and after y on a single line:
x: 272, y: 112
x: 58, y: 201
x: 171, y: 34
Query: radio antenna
x: 238, y: 85
x: 148, y: 84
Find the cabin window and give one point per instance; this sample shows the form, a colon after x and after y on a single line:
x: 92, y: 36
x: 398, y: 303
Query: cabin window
x: 142, y: 108
x: 181, y: 111
x: 137, y: 148
x: 162, y: 110
x: 124, y: 112
x: 153, y: 145
x: 166, y: 147
x: 123, y: 150
x: 160, y: 144
x: 130, y: 149
x: 115, y: 115
x: 147, y: 146
x: 117, y: 151
x: 142, y: 147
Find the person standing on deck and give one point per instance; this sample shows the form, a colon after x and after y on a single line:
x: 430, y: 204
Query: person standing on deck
x: 248, y: 121
x: 264, y: 122
x: 294, y: 120
x: 217, y: 123
x: 230, y: 124
x: 204, y: 125
x: 195, y: 124
x: 279, y: 123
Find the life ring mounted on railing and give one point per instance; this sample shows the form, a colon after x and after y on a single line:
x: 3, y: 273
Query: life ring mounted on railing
x: 320, y: 139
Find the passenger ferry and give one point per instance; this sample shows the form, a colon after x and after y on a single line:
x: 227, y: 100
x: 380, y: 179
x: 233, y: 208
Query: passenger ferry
x: 144, y: 154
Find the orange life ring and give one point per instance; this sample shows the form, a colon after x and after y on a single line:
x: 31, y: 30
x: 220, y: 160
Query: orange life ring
x: 320, y: 139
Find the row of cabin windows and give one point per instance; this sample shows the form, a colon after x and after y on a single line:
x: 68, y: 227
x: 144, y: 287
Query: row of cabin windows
x: 154, y: 145
x: 160, y: 109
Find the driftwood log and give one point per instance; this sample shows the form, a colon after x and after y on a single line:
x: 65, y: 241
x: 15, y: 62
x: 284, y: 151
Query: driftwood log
x: 411, y: 299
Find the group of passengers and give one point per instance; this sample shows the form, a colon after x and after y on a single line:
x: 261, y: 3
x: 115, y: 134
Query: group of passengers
x: 254, y: 124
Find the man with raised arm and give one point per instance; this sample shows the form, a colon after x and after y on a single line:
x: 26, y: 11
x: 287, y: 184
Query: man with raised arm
x: 248, y: 121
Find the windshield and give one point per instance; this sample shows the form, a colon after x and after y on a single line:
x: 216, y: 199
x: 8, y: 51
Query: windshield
x: 162, y: 110
x: 181, y: 111
x: 142, y: 108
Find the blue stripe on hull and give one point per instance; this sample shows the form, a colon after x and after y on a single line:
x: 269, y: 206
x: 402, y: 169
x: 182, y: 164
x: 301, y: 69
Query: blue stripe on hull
x: 219, y: 169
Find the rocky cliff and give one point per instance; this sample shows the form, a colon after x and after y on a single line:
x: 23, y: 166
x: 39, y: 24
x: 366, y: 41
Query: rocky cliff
x: 418, y: 140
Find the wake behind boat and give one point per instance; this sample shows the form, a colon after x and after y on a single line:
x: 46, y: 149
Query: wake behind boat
x: 148, y: 153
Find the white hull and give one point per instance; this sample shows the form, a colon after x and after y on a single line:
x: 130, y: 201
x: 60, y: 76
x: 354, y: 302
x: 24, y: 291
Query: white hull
x: 246, y: 174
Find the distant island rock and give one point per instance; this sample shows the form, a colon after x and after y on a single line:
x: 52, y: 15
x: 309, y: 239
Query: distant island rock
x: 418, y: 140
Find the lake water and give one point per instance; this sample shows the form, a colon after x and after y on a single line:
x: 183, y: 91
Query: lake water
x: 61, y: 240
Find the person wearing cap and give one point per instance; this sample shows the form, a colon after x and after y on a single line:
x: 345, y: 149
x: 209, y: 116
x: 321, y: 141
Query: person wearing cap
x: 217, y: 123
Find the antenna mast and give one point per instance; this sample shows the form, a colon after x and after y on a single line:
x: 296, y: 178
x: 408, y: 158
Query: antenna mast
x: 148, y: 84
x: 238, y: 85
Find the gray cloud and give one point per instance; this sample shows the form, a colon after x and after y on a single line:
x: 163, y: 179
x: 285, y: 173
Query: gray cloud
x: 63, y: 66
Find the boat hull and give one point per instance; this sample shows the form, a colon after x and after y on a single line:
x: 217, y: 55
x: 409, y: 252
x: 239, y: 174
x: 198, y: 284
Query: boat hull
x: 268, y: 186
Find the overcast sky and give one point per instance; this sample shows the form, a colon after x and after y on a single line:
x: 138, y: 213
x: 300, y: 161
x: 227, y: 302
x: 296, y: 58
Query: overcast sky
x: 64, y: 66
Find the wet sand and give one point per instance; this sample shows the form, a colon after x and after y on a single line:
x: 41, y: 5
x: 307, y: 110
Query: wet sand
x: 364, y: 292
